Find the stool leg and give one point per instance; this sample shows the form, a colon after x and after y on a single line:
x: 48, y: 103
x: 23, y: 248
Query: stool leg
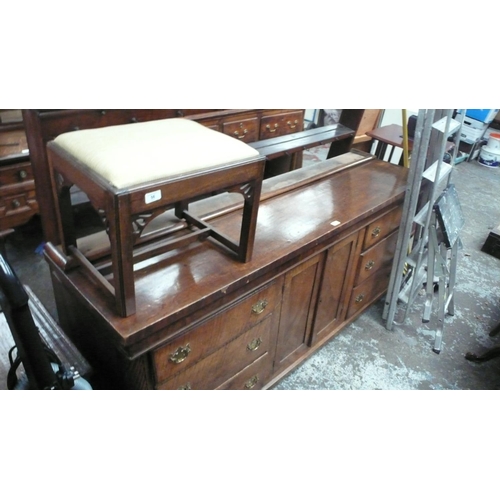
x: 251, y: 194
x: 67, y: 221
x: 122, y: 257
x: 180, y: 208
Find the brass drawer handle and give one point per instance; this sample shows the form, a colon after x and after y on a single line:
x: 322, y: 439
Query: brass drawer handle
x: 292, y: 124
x: 252, y: 382
x: 268, y: 127
x: 259, y: 307
x: 369, y: 265
x: 22, y: 174
x: 376, y: 231
x: 359, y: 298
x: 185, y: 387
x: 16, y: 203
x: 254, y: 344
x: 180, y: 354
x: 236, y: 133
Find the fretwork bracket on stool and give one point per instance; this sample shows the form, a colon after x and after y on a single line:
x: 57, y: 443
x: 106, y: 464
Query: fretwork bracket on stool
x: 127, y: 210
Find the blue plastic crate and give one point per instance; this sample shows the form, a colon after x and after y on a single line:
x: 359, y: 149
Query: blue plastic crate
x: 483, y: 115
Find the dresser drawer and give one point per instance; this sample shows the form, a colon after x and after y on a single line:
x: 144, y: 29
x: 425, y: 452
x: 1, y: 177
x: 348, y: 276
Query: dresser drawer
x: 254, y: 376
x: 378, y: 256
x: 211, y: 335
x: 15, y: 175
x: 282, y: 124
x: 212, y: 123
x: 246, y: 130
x: 17, y: 204
x: 369, y: 290
x: 17, y: 210
x: 382, y: 227
x: 229, y: 360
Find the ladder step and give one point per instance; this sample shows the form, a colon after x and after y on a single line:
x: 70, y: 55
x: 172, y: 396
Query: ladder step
x: 419, y: 276
x: 421, y: 217
x: 441, y: 125
x: 411, y: 260
x: 431, y: 172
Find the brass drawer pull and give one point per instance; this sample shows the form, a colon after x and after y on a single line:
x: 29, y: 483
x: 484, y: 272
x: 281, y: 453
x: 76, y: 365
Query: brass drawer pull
x: 259, y: 307
x: 376, y: 231
x: 23, y: 174
x: 268, y: 127
x: 185, y: 387
x: 359, y: 298
x: 254, y: 344
x: 236, y: 133
x: 369, y: 265
x: 252, y: 382
x: 180, y: 354
x: 292, y: 124
x: 16, y: 203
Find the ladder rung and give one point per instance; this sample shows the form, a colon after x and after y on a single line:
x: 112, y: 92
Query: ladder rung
x: 411, y: 260
x: 420, y: 276
x: 431, y: 172
x: 421, y: 217
x: 441, y: 125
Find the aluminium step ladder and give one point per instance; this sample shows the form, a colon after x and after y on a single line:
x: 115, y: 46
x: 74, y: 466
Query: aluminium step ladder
x: 420, y: 242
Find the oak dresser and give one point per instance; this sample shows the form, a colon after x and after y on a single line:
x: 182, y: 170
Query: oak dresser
x: 323, y: 250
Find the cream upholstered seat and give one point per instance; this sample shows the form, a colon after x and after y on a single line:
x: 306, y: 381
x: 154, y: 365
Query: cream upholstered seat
x: 132, y: 173
x: 128, y: 155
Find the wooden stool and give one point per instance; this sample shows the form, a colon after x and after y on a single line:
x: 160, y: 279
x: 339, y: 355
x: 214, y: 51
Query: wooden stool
x: 133, y: 173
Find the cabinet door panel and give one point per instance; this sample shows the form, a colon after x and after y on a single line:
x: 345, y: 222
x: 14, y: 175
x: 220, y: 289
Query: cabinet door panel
x: 336, y: 283
x: 299, y: 297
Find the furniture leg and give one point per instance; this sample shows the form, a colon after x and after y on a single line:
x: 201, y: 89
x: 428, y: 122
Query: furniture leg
x: 251, y: 194
x: 492, y: 353
x: 66, y: 222
x: 122, y: 258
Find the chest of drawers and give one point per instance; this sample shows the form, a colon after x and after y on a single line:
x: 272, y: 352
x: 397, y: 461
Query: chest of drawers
x: 17, y: 186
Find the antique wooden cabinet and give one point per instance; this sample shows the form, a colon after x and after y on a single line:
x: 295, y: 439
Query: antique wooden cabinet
x: 17, y: 186
x: 323, y: 249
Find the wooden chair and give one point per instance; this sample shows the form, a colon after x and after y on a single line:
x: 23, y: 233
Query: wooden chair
x: 133, y: 173
x: 370, y: 120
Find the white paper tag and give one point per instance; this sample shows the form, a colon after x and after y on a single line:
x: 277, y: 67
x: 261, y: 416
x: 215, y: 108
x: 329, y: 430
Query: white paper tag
x: 335, y: 223
x: 152, y: 197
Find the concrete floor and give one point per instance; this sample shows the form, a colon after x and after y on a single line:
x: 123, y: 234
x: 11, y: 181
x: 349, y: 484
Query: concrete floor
x: 365, y: 355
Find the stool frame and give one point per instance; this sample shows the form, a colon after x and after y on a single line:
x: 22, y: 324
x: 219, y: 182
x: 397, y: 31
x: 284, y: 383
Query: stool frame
x: 127, y: 211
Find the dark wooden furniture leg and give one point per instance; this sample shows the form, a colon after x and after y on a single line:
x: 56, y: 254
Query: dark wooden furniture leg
x: 492, y: 353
